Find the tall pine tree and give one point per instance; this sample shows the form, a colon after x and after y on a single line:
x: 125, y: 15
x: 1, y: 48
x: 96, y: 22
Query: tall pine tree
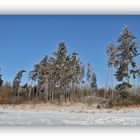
x: 125, y: 62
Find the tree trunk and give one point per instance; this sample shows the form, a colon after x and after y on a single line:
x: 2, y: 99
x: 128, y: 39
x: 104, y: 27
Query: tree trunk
x: 46, y: 89
x: 112, y: 80
x: 128, y: 76
x: 105, y: 92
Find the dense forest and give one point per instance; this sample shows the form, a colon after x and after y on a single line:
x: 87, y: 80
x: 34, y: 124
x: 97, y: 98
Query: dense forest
x: 63, y: 78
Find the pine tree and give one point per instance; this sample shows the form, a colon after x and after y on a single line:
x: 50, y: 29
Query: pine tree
x: 1, y: 81
x: 88, y: 75
x: 111, y: 54
x: 55, y: 75
x: 61, y: 68
x: 93, y: 83
x: 81, y: 73
x: 125, y: 63
x: 40, y: 74
x: 16, y: 82
x: 88, y: 78
x: 77, y: 70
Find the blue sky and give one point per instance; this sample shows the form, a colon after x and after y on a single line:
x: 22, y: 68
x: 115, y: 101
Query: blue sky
x: 24, y: 40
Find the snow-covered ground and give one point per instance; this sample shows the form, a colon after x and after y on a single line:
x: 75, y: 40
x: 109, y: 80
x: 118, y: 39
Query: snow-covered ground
x: 125, y: 116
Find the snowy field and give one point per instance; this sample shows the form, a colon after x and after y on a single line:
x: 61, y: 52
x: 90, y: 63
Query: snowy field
x: 62, y: 117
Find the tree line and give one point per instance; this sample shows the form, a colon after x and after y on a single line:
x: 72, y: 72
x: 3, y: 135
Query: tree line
x: 57, y: 78
x: 64, y: 78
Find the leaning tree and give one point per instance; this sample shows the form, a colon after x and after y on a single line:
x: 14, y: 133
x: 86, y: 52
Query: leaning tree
x: 16, y: 82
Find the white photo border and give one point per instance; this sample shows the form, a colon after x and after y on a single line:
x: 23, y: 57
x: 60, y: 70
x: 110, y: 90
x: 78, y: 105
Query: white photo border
x: 70, y: 7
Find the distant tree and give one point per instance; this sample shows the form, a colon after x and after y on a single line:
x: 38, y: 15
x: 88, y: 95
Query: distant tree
x: 81, y: 73
x: 111, y: 54
x: 1, y: 81
x: 16, y: 82
x: 88, y: 75
x: 93, y: 83
x: 126, y: 52
x: 88, y: 78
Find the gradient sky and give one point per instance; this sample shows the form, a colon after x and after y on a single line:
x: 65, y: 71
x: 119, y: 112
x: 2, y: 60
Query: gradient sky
x: 24, y: 40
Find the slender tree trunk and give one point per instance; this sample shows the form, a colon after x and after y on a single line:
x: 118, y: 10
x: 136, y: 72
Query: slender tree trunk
x: 105, y: 92
x: 18, y: 93
x: 30, y: 91
x: 127, y: 79
x: 46, y: 89
x: 65, y: 97
x: 52, y: 96
x: 18, y: 90
x: 134, y: 87
x: 112, y: 80
x: 128, y: 76
x: 36, y: 95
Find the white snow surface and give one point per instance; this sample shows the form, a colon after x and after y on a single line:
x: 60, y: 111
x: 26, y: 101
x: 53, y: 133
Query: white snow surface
x: 62, y: 117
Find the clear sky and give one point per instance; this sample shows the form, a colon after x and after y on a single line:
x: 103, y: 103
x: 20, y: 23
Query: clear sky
x: 24, y: 40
